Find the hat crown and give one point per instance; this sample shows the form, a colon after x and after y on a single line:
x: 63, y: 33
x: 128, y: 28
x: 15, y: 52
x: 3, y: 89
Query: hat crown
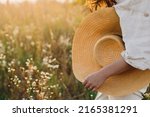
x: 107, y: 49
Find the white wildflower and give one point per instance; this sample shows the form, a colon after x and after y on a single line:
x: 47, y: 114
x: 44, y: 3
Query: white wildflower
x: 16, y: 31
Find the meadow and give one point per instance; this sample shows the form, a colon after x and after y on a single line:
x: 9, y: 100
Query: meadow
x: 35, y: 51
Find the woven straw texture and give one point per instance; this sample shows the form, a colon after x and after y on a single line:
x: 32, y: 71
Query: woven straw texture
x: 95, y: 45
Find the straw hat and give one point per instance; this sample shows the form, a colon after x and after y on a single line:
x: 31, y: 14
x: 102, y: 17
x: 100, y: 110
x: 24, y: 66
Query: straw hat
x: 97, y: 43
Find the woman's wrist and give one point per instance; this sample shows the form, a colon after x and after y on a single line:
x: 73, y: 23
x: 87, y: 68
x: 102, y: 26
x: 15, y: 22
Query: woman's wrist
x: 104, y: 74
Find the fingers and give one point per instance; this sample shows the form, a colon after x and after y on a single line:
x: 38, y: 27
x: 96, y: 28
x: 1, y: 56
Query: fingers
x: 85, y: 82
x: 95, y: 89
x: 87, y: 85
x: 90, y: 86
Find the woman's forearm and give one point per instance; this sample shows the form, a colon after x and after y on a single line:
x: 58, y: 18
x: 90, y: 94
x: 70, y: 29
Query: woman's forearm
x: 115, y: 68
x: 95, y: 80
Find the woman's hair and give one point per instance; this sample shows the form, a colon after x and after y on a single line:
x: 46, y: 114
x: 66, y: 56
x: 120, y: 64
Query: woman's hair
x: 94, y: 4
x: 109, y: 3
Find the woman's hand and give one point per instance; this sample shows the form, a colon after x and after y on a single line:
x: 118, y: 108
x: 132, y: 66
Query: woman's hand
x: 94, y: 80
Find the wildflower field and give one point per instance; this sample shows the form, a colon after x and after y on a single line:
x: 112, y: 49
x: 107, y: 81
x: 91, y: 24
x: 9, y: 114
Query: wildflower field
x: 35, y: 51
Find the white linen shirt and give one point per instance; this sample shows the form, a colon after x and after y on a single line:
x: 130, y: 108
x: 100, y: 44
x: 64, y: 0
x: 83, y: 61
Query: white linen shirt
x: 135, y: 25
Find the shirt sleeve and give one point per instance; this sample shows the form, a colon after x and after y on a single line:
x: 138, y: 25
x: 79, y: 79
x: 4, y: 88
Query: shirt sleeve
x: 135, y: 25
x: 139, y: 63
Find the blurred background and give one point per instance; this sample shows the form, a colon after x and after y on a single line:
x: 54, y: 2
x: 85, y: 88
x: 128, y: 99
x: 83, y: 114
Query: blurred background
x: 35, y: 50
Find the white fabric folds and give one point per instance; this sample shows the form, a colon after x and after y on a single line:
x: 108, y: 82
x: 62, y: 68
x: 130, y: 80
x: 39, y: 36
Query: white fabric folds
x: 135, y: 24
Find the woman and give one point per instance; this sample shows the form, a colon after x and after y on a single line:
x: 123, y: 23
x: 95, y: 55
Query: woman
x: 135, y: 24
